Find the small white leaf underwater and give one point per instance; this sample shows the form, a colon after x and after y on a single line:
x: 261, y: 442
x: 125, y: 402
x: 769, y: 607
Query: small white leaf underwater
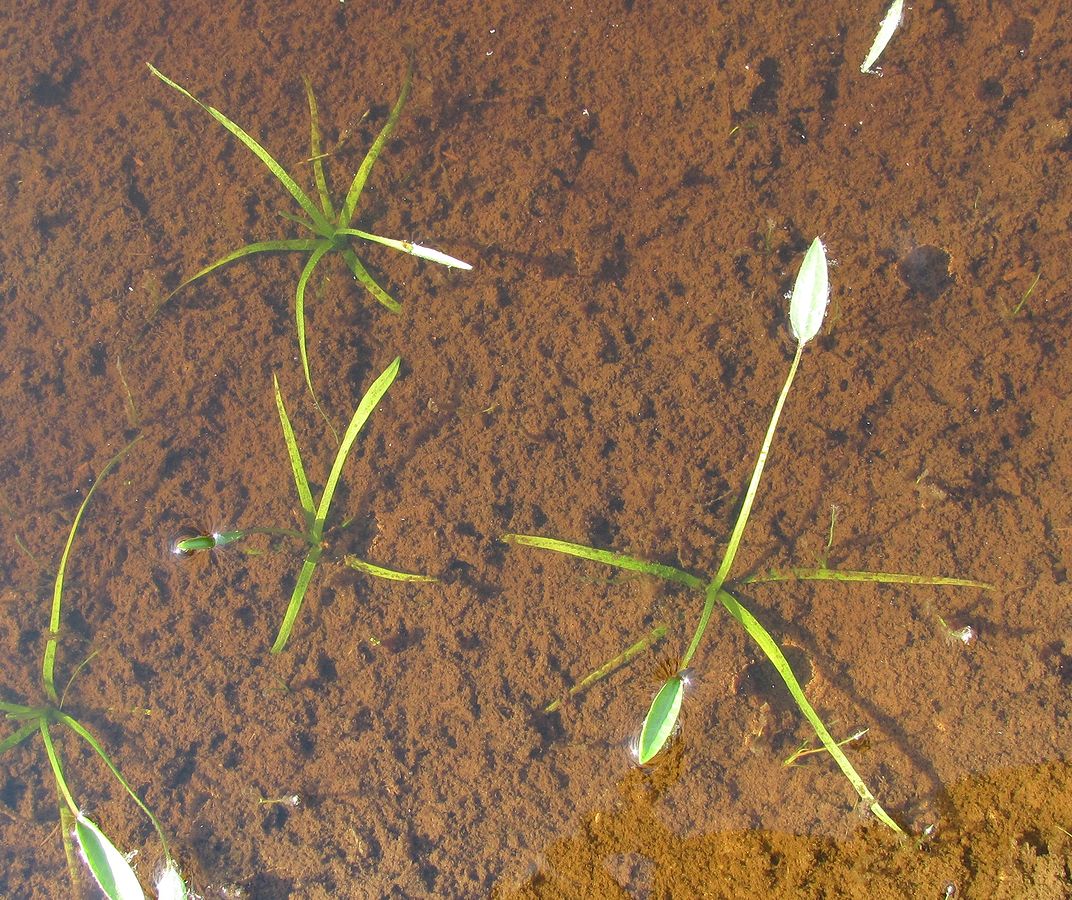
x: 885, y: 32
x: 169, y: 883
x: 811, y: 293
x: 437, y: 256
x: 109, y: 867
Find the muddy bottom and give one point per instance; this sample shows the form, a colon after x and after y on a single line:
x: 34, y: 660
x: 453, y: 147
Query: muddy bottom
x: 635, y: 186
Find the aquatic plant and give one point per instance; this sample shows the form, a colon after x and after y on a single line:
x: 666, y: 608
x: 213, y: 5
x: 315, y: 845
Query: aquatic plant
x: 331, y: 230
x: 315, y: 513
x: 806, y: 311
x: 109, y: 867
x: 886, y: 28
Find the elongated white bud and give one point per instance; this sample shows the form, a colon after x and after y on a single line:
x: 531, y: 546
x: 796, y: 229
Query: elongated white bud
x: 885, y: 31
x: 169, y: 883
x: 811, y: 292
x: 435, y: 256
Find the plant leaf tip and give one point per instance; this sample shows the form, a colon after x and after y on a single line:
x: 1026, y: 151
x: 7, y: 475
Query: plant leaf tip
x: 811, y: 293
x: 170, y: 884
x: 886, y: 28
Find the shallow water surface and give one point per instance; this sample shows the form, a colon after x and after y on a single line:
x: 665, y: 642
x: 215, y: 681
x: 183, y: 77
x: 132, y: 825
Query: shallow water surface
x: 635, y: 185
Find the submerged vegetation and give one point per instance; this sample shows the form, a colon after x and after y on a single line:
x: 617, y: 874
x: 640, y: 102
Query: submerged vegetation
x: 327, y: 226
x: 110, y: 869
x: 315, y: 514
x: 806, y: 311
x: 331, y: 229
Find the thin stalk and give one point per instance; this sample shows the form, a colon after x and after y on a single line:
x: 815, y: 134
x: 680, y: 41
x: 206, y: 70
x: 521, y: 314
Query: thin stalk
x: 48, y: 661
x: 742, y: 518
x: 83, y: 733
x: 656, y: 634
x: 57, y: 769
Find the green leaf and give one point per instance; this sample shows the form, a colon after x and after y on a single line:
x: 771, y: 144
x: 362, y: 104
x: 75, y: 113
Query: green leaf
x: 300, y: 481
x: 314, y: 152
x: 618, y: 560
x: 17, y: 737
x: 364, y: 409
x: 263, y: 155
x: 368, y: 282
x: 299, y: 312
x: 811, y: 293
x: 774, y: 653
x: 661, y: 719
x: 283, y: 246
x: 656, y: 634
x: 109, y: 867
x: 84, y: 733
x: 346, y: 214
x: 48, y: 662
x: 368, y: 568
x: 855, y: 575
x: 296, y: 598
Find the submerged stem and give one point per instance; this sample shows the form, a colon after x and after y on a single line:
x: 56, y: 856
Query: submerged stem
x: 742, y: 517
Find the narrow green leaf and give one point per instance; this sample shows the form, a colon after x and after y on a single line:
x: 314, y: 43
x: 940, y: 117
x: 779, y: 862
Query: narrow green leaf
x: 18, y: 711
x: 17, y: 737
x: 368, y: 568
x: 48, y: 662
x: 656, y: 634
x: 263, y: 155
x: 661, y: 719
x: 811, y: 293
x: 296, y: 244
x: 314, y: 152
x: 296, y: 597
x: 299, y: 313
x: 300, y: 481
x: 823, y: 574
x: 364, y: 409
x: 368, y: 282
x: 346, y: 214
x: 618, y: 560
x: 746, y: 506
x: 774, y: 653
x: 109, y: 867
x: 79, y: 729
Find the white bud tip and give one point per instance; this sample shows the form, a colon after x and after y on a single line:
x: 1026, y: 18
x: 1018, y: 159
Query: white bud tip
x: 438, y: 257
x: 169, y: 883
x: 811, y: 293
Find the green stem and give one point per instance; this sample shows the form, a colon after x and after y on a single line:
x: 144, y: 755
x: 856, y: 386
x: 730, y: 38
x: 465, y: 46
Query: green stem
x: 604, y: 670
x: 84, y: 733
x: 48, y: 661
x: 742, y: 518
x: 202, y: 542
x: 57, y: 769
